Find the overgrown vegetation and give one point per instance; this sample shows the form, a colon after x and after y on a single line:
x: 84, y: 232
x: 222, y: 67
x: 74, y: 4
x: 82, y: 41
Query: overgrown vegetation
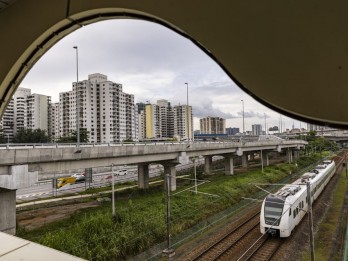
x: 329, y: 227
x: 140, y: 220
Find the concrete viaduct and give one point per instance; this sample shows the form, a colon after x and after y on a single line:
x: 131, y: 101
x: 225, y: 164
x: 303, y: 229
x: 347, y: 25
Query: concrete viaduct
x: 19, y: 167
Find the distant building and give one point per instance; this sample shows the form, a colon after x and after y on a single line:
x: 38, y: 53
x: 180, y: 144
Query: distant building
x: 232, y: 131
x: 256, y: 129
x: 106, y: 112
x: 26, y: 111
x: 213, y: 125
x: 37, y: 112
x: 54, y: 121
x: 184, y: 121
x: 162, y: 121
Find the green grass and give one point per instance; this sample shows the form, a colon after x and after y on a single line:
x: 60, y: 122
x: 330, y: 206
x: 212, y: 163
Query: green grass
x: 140, y: 220
x: 327, y: 229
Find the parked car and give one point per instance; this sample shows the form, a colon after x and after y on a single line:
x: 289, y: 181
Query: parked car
x: 79, y: 177
x: 121, y: 172
x: 64, y: 181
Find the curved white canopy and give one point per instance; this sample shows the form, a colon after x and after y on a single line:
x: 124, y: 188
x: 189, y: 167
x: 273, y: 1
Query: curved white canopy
x: 290, y: 55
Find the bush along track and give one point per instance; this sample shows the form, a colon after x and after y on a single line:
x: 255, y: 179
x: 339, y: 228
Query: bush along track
x: 140, y: 217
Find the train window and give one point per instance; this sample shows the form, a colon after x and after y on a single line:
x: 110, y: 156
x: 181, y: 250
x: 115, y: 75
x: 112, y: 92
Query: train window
x: 294, y: 213
x: 306, y: 200
x: 289, y: 211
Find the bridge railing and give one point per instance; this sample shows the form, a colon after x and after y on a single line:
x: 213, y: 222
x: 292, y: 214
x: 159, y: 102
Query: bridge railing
x: 90, y: 145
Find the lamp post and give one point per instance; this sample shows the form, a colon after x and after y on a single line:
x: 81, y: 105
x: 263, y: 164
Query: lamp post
x: 187, y: 112
x: 265, y: 123
x: 243, y: 114
x: 77, y: 101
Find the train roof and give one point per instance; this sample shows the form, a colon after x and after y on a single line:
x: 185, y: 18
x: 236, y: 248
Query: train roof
x: 291, y: 189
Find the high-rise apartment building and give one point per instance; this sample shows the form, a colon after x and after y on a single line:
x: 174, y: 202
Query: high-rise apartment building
x: 19, y: 109
x: 161, y: 121
x: 26, y: 110
x: 54, y: 121
x: 7, y: 121
x: 213, y: 125
x: 105, y: 111
x: 184, y: 121
x: 256, y: 129
x: 37, y: 112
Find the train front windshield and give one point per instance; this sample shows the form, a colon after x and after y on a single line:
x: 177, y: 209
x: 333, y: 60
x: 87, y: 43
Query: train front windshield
x: 273, y: 210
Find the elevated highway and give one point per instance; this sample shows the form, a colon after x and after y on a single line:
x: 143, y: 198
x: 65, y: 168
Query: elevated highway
x: 47, y: 158
x: 20, y: 164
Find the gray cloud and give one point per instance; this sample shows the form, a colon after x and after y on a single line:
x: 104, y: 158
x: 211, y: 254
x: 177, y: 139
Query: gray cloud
x: 151, y: 62
x: 252, y: 114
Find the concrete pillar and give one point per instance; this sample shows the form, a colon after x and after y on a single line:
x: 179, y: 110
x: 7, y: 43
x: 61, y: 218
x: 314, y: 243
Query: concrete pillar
x: 143, y: 176
x: 265, y: 158
x: 8, y: 211
x: 252, y: 156
x: 208, y: 163
x: 171, y: 170
x: 229, y: 165
x: 18, y: 177
x: 296, y: 154
x: 245, y: 160
x: 288, y: 156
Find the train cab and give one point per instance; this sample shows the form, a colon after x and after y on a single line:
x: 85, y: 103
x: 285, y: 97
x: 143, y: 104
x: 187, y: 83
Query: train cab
x: 271, y: 214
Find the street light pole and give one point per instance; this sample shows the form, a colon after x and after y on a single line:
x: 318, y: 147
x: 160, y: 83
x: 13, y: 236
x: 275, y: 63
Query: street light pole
x: 265, y: 123
x: 187, y: 109
x: 243, y: 115
x: 77, y: 101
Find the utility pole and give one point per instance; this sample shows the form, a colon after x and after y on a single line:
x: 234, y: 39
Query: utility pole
x: 261, y: 162
x: 243, y: 116
x: 113, y: 190
x: 168, y: 251
x: 77, y: 100
x: 187, y: 107
x: 310, y: 220
x: 195, y: 171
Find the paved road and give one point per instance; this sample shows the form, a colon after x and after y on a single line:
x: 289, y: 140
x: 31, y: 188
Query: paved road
x: 44, y: 189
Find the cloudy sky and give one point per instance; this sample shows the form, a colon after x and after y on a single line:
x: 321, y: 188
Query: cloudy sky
x: 151, y: 62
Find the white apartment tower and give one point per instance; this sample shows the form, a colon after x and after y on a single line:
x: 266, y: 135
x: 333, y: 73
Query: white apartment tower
x: 256, y: 129
x: 105, y: 111
x: 37, y: 112
x: 7, y: 121
x: 54, y: 121
x: 19, y: 109
x: 26, y: 110
x: 184, y: 121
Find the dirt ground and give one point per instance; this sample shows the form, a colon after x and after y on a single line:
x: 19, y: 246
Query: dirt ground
x: 35, y: 218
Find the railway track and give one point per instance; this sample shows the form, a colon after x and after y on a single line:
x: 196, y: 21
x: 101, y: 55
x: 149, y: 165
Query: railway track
x: 245, y: 242
x: 221, y: 247
x: 264, y: 249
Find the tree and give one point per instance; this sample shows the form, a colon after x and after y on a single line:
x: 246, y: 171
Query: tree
x: 72, y: 137
x: 275, y: 128
x: 31, y: 136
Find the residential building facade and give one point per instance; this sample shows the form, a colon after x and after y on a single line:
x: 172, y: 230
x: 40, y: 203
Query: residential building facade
x: 256, y: 129
x: 213, y: 125
x: 105, y: 111
x: 26, y: 111
x: 162, y: 121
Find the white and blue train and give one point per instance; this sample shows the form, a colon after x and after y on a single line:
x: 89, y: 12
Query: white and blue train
x: 282, y: 211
